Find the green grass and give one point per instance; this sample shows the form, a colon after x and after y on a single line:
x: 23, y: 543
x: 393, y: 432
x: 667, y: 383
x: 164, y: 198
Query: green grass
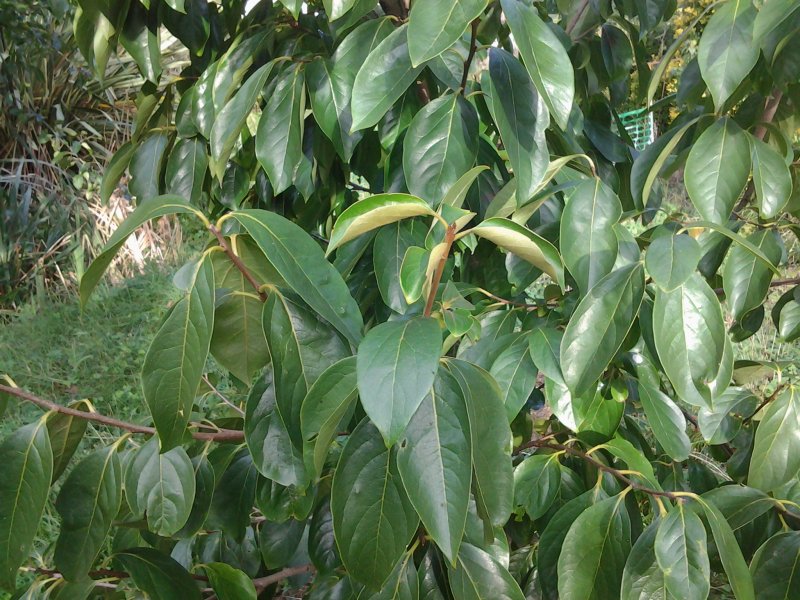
x: 61, y: 353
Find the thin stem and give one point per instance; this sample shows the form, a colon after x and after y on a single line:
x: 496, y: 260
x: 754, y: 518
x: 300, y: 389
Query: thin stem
x: 541, y: 443
x: 508, y: 302
x: 473, y: 47
x: 221, y: 396
x: 237, y: 262
x: 449, y: 237
x: 263, y: 582
x: 770, y: 109
x: 221, y: 435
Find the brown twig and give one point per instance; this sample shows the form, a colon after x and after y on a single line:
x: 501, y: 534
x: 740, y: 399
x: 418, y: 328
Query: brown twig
x: 542, y: 443
x: 263, y: 582
x: 220, y: 435
x: 770, y: 109
x: 237, y: 262
x: 473, y: 48
x: 772, y: 284
x: 449, y: 238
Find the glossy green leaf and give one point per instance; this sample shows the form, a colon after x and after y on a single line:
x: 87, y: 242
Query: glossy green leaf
x: 150, y: 209
x: 739, y: 504
x: 299, y: 260
x: 776, y: 453
x: 642, y: 578
x: 718, y: 167
x: 329, y: 399
x: 65, y: 433
x: 176, y: 359
x: 279, y: 136
x: 599, y: 326
x: 545, y: 58
x: 237, y: 341
x: 493, y: 476
x: 434, y: 26
x: 681, y: 553
x: 157, y: 574
x: 536, y: 483
x: 434, y: 461
x: 594, y: 552
x: 329, y: 86
x: 336, y: 9
x: 478, y: 576
x: 321, y: 539
x: 775, y: 566
x: 140, y: 38
x: 145, y: 167
x: 402, y: 582
x: 268, y: 431
x: 204, y: 491
x: 27, y: 460
x: 524, y: 243
x: 115, y: 169
x: 771, y: 179
x: 229, y: 583
x: 440, y: 146
x: 186, y: 169
x: 87, y: 503
x: 384, y: 76
x: 726, y: 52
x: 746, y: 278
x: 516, y: 374
x: 786, y: 315
x: 729, y: 553
x: 396, y: 366
x: 771, y: 14
x: 553, y: 536
x: 456, y: 194
x: 372, y: 516
x: 279, y: 541
x: 521, y: 118
x: 690, y: 339
x: 234, y: 496
x: 666, y: 420
x: 165, y: 489
x: 373, y: 212
x: 671, y: 260
x: 230, y: 120
x: 587, y: 241
x: 720, y: 423
x: 392, y: 244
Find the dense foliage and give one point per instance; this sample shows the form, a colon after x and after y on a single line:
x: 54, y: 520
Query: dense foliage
x: 470, y: 354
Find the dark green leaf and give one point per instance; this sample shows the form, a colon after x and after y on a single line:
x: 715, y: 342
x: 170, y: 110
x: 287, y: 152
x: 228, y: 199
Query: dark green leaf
x: 328, y: 401
x: 477, y: 576
x: 160, y: 576
x: 536, y: 483
x: 642, y: 578
x: 88, y: 503
x: 599, y: 326
x: 279, y: 541
x: 726, y: 51
x: 434, y: 461
x: 389, y: 252
x: 671, y: 260
x: 383, y: 77
x: 402, y: 582
x: 115, y: 169
x: 746, y: 278
x: 230, y: 120
x: 165, y: 489
x: 435, y: 26
x: 545, y: 58
x: 372, y: 515
x: 177, y: 356
x: 229, y: 583
x: 301, y: 263
x: 397, y: 363
x: 145, y: 167
x: 521, y: 119
x: 717, y: 168
x: 140, y: 38
x: 776, y: 453
x: 690, y: 339
x: 739, y: 504
x: 775, y: 565
x: 186, y: 169
x: 65, y: 433
x: 680, y: 549
x: 491, y: 441
x: 587, y: 241
x: 440, y: 146
x: 594, y: 552
x: 666, y: 420
x: 234, y: 496
x: 516, y: 375
x: 771, y: 178
x: 27, y: 460
x: 280, y: 130
x: 729, y: 553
